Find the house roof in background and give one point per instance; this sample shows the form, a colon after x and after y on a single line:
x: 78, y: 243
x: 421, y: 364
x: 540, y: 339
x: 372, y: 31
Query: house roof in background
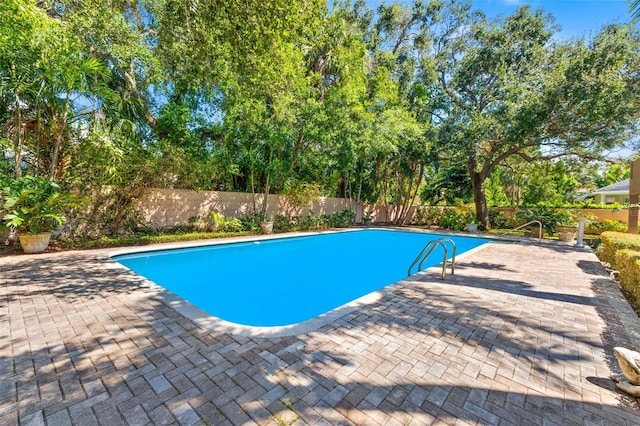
x: 622, y: 186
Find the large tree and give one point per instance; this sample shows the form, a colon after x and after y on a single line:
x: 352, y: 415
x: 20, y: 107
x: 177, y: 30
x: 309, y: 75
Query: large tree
x: 44, y: 77
x: 508, y: 89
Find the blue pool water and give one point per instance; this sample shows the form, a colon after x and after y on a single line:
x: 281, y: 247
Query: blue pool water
x: 288, y: 280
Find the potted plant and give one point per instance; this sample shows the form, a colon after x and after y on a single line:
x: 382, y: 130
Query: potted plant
x: 566, y: 226
x: 367, y: 218
x: 266, y: 224
x: 472, y: 222
x: 33, y: 206
x: 566, y: 232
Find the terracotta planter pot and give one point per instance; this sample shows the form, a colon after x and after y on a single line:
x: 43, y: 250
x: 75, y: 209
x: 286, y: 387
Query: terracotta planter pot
x: 566, y: 233
x: 266, y: 227
x: 35, y: 243
x: 566, y: 236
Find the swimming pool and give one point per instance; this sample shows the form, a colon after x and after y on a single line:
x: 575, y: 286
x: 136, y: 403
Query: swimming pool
x: 285, y: 281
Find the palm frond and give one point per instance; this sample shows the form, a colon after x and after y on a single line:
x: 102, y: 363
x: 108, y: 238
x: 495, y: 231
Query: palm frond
x: 634, y: 9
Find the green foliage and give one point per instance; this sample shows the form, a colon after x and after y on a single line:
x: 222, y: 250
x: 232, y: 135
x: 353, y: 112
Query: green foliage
x: 233, y: 225
x: 299, y: 98
x: 429, y: 216
x: 158, y: 237
x: 251, y: 223
x: 341, y: 219
x: 615, y: 241
x: 613, y: 174
x: 494, y: 191
x: 302, y: 194
x: 597, y: 227
x: 627, y: 262
x: 454, y: 219
x: 34, y: 205
x: 217, y: 219
x: 549, y: 182
x: 549, y: 217
x: 448, y: 184
x: 218, y: 223
x: 507, y: 91
x: 312, y: 221
x: 499, y: 220
x: 283, y: 223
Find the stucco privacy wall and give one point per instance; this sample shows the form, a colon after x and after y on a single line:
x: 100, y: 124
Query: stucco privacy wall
x: 610, y: 214
x: 171, y: 207
x: 603, y: 214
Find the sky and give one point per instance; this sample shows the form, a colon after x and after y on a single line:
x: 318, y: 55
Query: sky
x: 575, y: 17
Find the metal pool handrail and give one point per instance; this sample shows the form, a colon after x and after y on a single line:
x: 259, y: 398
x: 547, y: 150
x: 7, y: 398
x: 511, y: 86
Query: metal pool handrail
x: 453, y: 253
x: 429, y: 248
x: 527, y: 224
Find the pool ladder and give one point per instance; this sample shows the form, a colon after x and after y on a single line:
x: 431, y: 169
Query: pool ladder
x: 429, y: 248
x: 525, y: 225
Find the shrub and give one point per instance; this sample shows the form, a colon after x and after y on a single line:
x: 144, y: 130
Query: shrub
x: 628, y: 264
x: 33, y: 205
x: 548, y: 216
x: 499, y: 220
x: 233, y: 225
x: 454, y: 219
x: 252, y: 223
x: 597, y: 227
x: 428, y: 216
x: 281, y: 223
x: 615, y: 241
x: 217, y: 219
x: 197, y: 223
x: 312, y: 221
x: 341, y: 219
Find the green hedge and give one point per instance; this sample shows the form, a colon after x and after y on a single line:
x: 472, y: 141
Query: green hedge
x: 615, y: 241
x: 597, y: 227
x: 137, y: 240
x: 628, y: 264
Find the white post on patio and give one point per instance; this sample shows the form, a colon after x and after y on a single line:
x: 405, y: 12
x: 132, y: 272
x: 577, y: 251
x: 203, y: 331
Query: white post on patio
x: 581, y: 221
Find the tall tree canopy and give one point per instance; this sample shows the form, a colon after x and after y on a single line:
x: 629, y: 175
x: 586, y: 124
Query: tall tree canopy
x: 427, y: 98
x: 507, y: 89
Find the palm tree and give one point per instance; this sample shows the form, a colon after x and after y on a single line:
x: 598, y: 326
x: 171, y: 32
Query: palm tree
x: 634, y: 8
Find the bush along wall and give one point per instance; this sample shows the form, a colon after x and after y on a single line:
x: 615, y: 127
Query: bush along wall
x: 628, y: 264
x: 615, y: 241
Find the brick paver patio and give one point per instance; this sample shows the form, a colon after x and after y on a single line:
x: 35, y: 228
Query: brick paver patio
x: 522, y: 334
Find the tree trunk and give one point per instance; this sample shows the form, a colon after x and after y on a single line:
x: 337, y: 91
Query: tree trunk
x: 253, y: 191
x: 18, y: 140
x: 55, y: 158
x: 265, y: 201
x: 479, y: 198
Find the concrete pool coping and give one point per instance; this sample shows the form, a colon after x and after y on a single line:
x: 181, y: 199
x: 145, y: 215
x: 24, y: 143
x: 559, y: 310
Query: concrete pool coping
x: 213, y: 323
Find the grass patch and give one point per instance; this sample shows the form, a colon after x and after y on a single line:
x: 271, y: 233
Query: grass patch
x: 140, y: 240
